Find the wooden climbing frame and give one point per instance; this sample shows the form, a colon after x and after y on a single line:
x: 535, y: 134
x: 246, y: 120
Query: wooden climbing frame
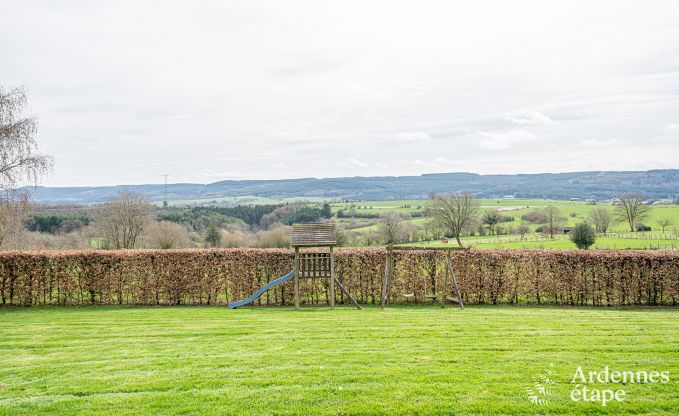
x: 316, y: 265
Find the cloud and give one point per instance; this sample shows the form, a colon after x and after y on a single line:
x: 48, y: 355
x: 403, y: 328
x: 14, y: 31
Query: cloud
x: 504, y: 140
x: 439, y: 162
x: 413, y: 137
x: 182, y: 116
x: 600, y: 143
x: 311, y: 102
x: 357, y: 162
x: 530, y: 118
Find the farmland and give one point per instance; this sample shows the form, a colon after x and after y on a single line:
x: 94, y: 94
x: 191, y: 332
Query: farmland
x: 617, y: 237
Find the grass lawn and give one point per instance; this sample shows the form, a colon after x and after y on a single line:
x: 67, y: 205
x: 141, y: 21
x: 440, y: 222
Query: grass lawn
x: 405, y: 360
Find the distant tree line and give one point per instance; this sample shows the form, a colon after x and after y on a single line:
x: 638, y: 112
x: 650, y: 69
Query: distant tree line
x: 57, y: 223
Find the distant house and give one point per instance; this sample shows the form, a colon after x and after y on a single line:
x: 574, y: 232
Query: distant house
x: 574, y: 199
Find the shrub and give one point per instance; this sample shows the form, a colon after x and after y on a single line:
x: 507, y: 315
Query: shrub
x: 166, y: 235
x: 278, y: 236
x: 643, y: 227
x: 583, y: 236
x: 535, y: 217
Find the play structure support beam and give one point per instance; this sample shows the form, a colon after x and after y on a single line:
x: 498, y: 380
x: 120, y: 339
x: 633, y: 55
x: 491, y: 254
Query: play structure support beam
x: 296, y: 277
x: 346, y: 292
x: 332, y: 280
x: 445, y: 280
x: 452, y: 275
x: 387, y: 277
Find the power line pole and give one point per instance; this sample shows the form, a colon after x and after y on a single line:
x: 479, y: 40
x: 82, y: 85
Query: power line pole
x: 165, y: 191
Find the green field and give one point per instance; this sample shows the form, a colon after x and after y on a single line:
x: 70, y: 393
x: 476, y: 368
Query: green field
x: 643, y: 241
x: 261, y: 361
x: 574, y: 211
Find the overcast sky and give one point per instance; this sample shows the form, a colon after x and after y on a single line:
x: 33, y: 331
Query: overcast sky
x: 126, y: 91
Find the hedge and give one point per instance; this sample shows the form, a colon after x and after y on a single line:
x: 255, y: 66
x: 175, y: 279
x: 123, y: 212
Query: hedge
x: 217, y: 276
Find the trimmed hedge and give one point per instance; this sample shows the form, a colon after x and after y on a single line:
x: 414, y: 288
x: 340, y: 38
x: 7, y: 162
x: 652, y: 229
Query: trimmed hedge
x: 217, y: 276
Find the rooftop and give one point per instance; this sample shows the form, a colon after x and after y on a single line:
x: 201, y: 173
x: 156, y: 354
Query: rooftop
x: 313, y: 234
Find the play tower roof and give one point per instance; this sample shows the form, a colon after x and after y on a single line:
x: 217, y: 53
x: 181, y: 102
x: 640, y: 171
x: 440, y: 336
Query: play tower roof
x: 313, y: 235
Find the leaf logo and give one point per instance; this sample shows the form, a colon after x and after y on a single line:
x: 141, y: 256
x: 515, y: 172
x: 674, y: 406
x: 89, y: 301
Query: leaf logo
x: 541, y: 389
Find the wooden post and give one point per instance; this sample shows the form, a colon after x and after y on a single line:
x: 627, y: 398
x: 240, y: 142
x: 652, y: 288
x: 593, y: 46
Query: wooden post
x: 296, y: 277
x: 332, y: 279
x: 457, y: 290
x: 445, y: 282
x: 387, y: 278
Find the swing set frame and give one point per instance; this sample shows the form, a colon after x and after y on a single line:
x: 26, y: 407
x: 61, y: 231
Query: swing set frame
x: 389, y: 270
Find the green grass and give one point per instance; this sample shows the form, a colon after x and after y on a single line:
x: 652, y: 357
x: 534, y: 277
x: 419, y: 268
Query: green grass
x: 405, y: 360
x: 574, y: 211
x: 645, y: 241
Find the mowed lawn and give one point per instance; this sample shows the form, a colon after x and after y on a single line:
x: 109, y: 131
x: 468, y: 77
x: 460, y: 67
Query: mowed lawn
x: 260, y: 361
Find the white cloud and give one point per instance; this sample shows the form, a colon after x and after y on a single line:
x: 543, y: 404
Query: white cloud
x: 600, y: 143
x: 413, y: 137
x: 311, y: 102
x: 505, y: 139
x: 439, y: 162
x: 357, y: 162
x: 530, y: 118
x: 182, y: 116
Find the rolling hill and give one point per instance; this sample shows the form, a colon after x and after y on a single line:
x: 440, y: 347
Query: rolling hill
x: 656, y: 184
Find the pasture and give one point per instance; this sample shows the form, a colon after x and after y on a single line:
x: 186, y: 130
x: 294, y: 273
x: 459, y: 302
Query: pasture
x: 263, y: 361
x: 618, y: 237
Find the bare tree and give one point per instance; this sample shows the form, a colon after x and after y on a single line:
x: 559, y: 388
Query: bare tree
x: 631, y: 210
x: 123, y: 220
x: 20, y: 162
x: 455, y: 212
x: 432, y: 230
x: 233, y: 238
x: 491, y: 218
x: 167, y: 235
x: 601, y: 218
x: 554, y: 219
x: 370, y: 238
x: 523, y: 229
x: 665, y: 222
x: 391, y: 228
x: 12, y: 213
x: 278, y: 236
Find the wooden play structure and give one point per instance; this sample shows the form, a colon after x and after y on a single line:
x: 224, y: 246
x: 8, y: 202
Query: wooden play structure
x: 314, y: 265
x: 310, y: 265
x: 389, y: 270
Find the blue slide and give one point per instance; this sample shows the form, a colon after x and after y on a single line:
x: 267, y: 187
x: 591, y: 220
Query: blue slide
x: 261, y: 290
